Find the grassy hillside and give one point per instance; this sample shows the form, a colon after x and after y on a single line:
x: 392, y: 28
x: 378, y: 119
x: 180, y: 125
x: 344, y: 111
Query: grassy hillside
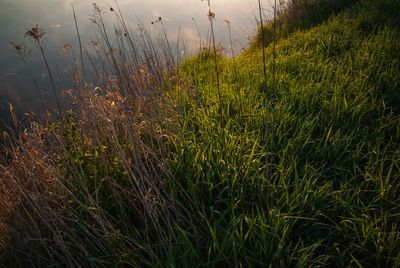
x: 333, y: 195
x: 335, y: 109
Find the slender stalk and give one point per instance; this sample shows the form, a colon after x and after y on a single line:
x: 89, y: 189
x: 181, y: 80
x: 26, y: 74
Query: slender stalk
x: 36, y: 34
x: 21, y: 53
x: 127, y: 35
x: 266, y: 171
x: 199, y: 58
x: 53, y: 84
x: 178, y: 79
x: 235, y: 71
x: 211, y: 16
x: 167, y: 42
x: 79, y: 39
x: 273, y: 81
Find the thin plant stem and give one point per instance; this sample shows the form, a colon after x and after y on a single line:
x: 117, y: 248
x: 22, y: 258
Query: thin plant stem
x: 266, y: 171
x: 80, y: 42
x: 235, y: 71
x: 37, y: 33
x: 273, y: 81
x: 22, y: 56
x: 211, y: 16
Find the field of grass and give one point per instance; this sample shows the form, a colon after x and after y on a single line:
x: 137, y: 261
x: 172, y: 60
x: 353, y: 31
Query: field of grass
x: 178, y: 177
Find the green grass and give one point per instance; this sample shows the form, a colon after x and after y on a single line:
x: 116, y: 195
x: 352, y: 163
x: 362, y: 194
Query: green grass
x: 336, y: 159
x: 333, y: 197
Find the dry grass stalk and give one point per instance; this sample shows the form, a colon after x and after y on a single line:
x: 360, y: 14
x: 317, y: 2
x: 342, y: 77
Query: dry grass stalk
x: 58, y: 180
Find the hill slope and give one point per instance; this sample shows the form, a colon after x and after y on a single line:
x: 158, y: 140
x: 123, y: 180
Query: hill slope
x: 334, y: 115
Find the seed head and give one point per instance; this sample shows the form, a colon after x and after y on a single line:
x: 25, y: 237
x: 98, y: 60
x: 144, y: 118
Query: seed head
x: 36, y: 33
x: 211, y: 15
x: 17, y: 47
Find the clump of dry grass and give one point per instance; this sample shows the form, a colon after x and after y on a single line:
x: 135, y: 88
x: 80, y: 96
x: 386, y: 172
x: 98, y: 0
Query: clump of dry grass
x: 72, y: 189
x: 33, y: 208
x: 98, y: 173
